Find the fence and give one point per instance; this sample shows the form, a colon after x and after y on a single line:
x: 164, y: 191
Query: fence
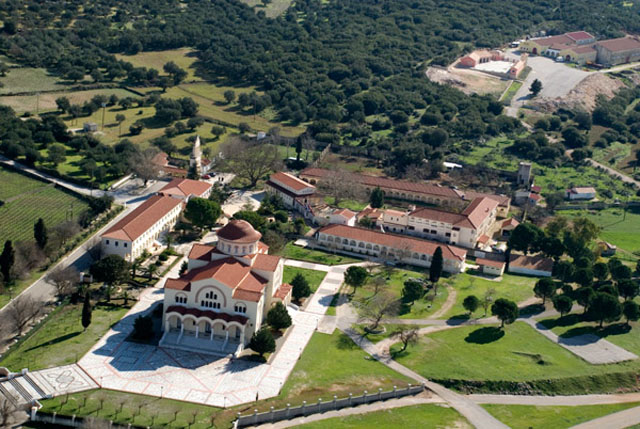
x: 77, y: 422
x: 322, y: 406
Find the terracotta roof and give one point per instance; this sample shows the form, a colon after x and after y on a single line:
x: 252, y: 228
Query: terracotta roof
x: 282, y: 189
x: 561, y: 39
x: 283, y: 291
x: 212, y: 315
x: 442, y: 216
x: 490, y: 263
x: 246, y: 295
x: 510, y: 222
x: 531, y: 262
x: 201, y: 252
x: 370, y: 213
x: 142, y: 218
x: 262, y: 248
x: 345, y: 213
x: 386, y: 183
x: 503, y: 200
x: 536, y: 189
x: 290, y: 181
x: 185, y: 187
x: 534, y: 197
x: 239, y: 231
x: 620, y: 44
x: 484, y: 239
x: 265, y: 262
x: 583, y: 49
x: 579, y: 35
x: 178, y: 284
x: 395, y: 241
x: 479, y: 210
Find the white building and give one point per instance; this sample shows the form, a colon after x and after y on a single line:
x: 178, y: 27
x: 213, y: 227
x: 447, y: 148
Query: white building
x: 395, y: 248
x: 140, y: 229
x: 581, y: 193
x: 531, y: 265
x: 186, y: 188
x: 290, y: 189
x: 490, y: 267
x: 225, y: 294
x: 465, y: 229
x: 343, y: 217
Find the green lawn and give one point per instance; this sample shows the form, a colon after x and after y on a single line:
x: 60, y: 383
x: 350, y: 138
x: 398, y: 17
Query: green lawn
x: 313, y: 277
x: 38, y: 200
x: 511, y: 92
x: 515, y: 288
x: 556, y: 417
x: 416, y: 416
x: 46, y: 102
x: 484, y: 353
x: 330, y: 365
x: 291, y: 251
x: 617, y: 228
x: 353, y: 205
x: 28, y: 79
x: 390, y: 328
x: 184, y: 58
x: 394, y: 284
x: 60, y: 340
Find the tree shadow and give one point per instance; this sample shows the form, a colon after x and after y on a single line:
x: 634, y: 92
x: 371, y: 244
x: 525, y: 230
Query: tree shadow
x: 458, y: 318
x: 531, y: 310
x: 345, y: 343
x: 485, y: 335
x: 56, y: 340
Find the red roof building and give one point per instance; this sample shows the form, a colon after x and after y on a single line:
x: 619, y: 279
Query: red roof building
x: 186, y: 188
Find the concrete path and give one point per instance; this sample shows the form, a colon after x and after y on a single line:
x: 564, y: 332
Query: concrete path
x: 538, y: 400
x: 307, y: 265
x: 474, y: 413
x: 589, y: 347
x: 446, y: 306
x: 362, y: 409
x: 619, y: 420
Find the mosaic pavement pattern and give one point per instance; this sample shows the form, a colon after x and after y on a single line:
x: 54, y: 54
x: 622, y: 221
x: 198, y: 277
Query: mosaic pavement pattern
x: 62, y: 380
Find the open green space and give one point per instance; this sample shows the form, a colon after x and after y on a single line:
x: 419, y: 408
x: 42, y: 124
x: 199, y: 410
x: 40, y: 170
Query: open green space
x: 185, y: 58
x: 618, y: 227
x: 292, y: 251
x: 330, y: 365
x: 619, y: 156
x: 493, y: 153
x: 352, y: 205
x: 511, y: 92
x: 273, y: 9
x: 18, y: 215
x: 29, y: 79
x: 389, y: 330
x: 516, y: 354
x: 14, y: 184
x: 46, y: 102
x: 393, y: 283
x: 512, y: 287
x: 313, y: 277
x: 72, y: 166
x: 61, y: 340
x: 556, y: 417
x: 416, y: 416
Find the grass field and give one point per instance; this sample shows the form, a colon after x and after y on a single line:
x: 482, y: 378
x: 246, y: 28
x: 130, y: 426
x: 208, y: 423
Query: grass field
x: 273, y: 9
x: 28, y: 79
x: 532, y: 417
x: 46, y: 102
x: 296, y: 252
x: 618, y: 228
x: 14, y: 184
x: 313, y: 277
x: 550, y: 179
x: 486, y: 353
x: 185, y: 58
x: 330, y: 365
x: 618, y: 156
x: 509, y: 94
x: 61, y: 339
x: 515, y: 288
x: 416, y: 416
x: 394, y: 284
x: 40, y: 200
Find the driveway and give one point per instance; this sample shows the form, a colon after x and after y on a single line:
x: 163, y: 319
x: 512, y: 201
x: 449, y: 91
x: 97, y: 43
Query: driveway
x: 557, y: 80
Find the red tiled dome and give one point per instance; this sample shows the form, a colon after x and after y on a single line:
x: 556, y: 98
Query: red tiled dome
x: 239, y: 231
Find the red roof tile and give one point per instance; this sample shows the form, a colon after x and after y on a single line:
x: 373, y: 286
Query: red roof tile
x: 239, y: 231
x: 479, y: 210
x: 212, y: 315
x: 621, y: 44
x: 283, y: 291
x: 532, y: 262
x: 186, y: 187
x: 266, y: 262
x: 442, y: 216
x: 142, y: 218
x: 490, y: 263
x: 395, y: 241
x: 580, y: 35
x: 290, y: 181
x: 201, y: 252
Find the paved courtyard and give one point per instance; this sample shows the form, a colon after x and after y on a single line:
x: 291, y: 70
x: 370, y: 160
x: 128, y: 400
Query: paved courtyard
x: 114, y: 363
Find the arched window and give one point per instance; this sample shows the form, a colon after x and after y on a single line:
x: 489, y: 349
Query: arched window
x: 181, y: 299
x: 251, y: 249
x: 210, y: 300
x: 240, y: 308
x: 235, y: 249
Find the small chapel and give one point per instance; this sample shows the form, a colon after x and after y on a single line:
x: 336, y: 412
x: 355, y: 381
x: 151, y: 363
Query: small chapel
x: 225, y: 294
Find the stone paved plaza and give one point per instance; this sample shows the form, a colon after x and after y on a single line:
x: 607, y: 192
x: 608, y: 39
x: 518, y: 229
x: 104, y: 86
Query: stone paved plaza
x: 114, y: 363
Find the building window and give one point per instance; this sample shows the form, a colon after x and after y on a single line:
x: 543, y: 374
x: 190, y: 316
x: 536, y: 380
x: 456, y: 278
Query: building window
x: 210, y: 300
x: 107, y: 241
x: 240, y: 308
x: 181, y: 299
x: 116, y: 243
x: 124, y: 244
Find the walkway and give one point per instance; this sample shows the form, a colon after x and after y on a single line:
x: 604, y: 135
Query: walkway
x: 561, y: 400
x: 619, y: 420
x: 589, y: 347
x: 446, y: 306
x: 362, y: 409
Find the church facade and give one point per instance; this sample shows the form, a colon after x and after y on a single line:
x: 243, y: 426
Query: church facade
x: 225, y: 294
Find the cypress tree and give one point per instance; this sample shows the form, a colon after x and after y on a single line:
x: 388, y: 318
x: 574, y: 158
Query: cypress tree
x: 86, y: 312
x: 435, y: 270
x: 6, y: 260
x: 377, y: 198
x: 298, y: 149
x: 40, y: 233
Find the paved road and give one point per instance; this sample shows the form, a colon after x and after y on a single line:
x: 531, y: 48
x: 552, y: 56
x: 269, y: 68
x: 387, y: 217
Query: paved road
x: 619, y: 420
x: 571, y: 400
x: 610, y: 171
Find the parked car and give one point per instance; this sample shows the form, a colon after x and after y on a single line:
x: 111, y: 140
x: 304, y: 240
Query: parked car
x: 206, y: 177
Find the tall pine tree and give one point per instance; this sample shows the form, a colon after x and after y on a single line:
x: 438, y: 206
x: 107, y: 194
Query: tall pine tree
x: 6, y: 261
x: 298, y: 149
x: 435, y: 270
x: 86, y: 311
x: 40, y: 233
x: 376, y: 198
